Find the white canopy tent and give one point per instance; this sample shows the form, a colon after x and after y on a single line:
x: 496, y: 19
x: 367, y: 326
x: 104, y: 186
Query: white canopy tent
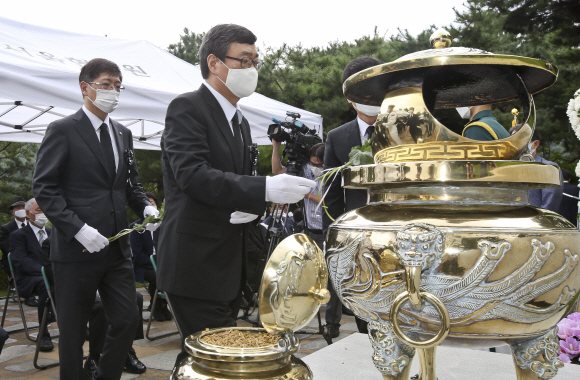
x: 39, y: 70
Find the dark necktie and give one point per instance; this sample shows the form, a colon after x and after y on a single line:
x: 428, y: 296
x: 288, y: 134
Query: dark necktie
x: 107, y: 146
x: 22, y: 225
x: 238, y: 137
x: 370, y: 131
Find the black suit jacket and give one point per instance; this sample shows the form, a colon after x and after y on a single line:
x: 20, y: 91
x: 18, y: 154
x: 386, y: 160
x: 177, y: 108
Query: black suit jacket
x: 72, y: 186
x: 200, y: 253
x: 5, y: 231
x: 569, y: 206
x: 142, y: 249
x: 27, y: 258
x: 339, y: 142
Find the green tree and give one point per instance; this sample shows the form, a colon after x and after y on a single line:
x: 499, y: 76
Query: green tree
x: 16, y: 169
x: 188, y: 46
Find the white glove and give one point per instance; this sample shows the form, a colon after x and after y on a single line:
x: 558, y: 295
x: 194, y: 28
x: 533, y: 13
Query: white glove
x: 150, y: 210
x: 285, y: 188
x: 239, y: 217
x: 91, y: 239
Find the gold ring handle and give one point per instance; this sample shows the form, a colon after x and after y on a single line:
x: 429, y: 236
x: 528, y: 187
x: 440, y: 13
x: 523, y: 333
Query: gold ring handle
x: 445, y: 321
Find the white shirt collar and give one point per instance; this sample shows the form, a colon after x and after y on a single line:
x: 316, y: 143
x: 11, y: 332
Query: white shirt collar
x: 36, y: 229
x: 19, y: 223
x: 362, y: 126
x: 228, y: 108
x: 95, y: 121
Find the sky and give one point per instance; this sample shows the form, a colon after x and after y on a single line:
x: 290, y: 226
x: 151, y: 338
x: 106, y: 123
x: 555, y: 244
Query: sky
x: 311, y: 23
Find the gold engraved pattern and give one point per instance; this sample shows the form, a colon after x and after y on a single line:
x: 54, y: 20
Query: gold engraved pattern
x: 447, y: 151
x: 539, y: 355
x: 391, y: 356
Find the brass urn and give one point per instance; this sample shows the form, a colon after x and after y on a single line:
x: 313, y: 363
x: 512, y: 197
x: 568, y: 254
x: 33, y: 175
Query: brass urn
x: 293, y: 287
x: 448, y: 249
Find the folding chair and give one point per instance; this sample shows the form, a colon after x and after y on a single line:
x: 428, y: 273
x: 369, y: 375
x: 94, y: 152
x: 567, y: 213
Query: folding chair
x: 161, y: 295
x: 43, y: 325
x: 10, y: 292
x: 25, y: 326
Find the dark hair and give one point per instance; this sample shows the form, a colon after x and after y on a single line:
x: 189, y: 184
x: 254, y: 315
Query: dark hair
x: 318, y: 151
x: 149, y: 194
x: 536, y: 135
x: 217, y: 42
x: 359, y: 64
x: 298, y: 215
x: 97, y: 66
x: 566, y: 174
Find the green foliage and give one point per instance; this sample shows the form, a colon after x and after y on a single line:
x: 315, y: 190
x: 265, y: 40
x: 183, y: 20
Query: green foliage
x: 16, y: 169
x: 187, y: 47
x: 361, y: 155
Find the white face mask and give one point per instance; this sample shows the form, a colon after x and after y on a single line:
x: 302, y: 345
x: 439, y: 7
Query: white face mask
x: 106, y: 100
x: 241, y: 82
x: 316, y: 171
x: 20, y: 214
x: 530, y: 147
x: 367, y: 110
x: 464, y: 112
x: 40, y: 220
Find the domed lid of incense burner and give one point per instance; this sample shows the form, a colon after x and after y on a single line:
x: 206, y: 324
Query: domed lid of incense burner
x: 412, y: 87
x: 293, y: 285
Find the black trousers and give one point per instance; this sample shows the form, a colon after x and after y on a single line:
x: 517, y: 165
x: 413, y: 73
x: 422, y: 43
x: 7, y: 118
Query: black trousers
x: 76, y: 285
x: 193, y: 315
x: 40, y: 289
x: 3, y: 338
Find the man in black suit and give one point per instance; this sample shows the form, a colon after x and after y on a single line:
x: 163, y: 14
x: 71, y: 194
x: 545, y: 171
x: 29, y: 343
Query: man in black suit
x: 17, y: 210
x: 27, y: 259
x: 85, y: 177
x: 209, y: 191
x: 339, y: 142
x: 569, y: 206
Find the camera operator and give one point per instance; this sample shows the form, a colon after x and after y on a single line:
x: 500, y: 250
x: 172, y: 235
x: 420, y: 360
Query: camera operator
x: 313, y: 217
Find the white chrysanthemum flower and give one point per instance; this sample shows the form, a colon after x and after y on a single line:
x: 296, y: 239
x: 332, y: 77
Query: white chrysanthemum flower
x: 578, y: 169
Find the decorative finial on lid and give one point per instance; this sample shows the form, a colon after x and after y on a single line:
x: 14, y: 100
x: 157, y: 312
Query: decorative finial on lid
x: 441, y: 39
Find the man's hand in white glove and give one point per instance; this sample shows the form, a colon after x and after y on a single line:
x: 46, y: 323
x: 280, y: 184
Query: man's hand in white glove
x: 285, y: 188
x: 151, y: 210
x: 239, y: 217
x: 91, y: 239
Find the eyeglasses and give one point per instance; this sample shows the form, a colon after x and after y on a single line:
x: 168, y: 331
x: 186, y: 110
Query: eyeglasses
x: 246, y: 62
x: 107, y: 86
x: 316, y: 165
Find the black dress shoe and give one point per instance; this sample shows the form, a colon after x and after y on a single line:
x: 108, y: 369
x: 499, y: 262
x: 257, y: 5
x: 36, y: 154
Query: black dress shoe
x: 167, y: 314
x: 46, y: 343
x: 132, y: 364
x: 90, y: 367
x: 31, y: 301
x: 333, y: 329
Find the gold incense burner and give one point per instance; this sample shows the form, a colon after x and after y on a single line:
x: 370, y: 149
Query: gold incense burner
x: 448, y: 250
x: 293, y: 288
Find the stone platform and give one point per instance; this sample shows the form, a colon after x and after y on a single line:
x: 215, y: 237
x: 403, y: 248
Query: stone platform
x: 350, y: 358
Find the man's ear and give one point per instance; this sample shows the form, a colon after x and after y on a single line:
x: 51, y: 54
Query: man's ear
x: 212, y: 62
x: 536, y: 144
x: 83, y: 86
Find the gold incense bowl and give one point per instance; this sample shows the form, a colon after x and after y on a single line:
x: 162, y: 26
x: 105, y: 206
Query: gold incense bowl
x: 293, y: 288
x: 448, y: 249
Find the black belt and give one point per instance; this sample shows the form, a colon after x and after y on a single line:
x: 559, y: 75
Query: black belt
x: 317, y: 232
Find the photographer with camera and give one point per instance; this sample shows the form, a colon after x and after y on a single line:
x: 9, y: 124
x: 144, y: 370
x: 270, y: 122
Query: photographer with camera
x: 313, y: 216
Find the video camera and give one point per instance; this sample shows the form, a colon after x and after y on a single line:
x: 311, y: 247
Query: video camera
x: 299, y: 140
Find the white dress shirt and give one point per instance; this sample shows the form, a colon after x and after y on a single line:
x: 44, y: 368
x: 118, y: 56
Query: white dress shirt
x: 96, y: 122
x: 362, y: 126
x: 36, y: 230
x: 228, y: 108
x: 19, y: 223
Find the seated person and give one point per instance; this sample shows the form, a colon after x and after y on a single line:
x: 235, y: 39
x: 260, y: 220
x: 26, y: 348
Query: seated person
x: 280, y: 219
x: 3, y: 338
x: 482, y: 125
x: 142, y: 247
x: 27, y: 259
